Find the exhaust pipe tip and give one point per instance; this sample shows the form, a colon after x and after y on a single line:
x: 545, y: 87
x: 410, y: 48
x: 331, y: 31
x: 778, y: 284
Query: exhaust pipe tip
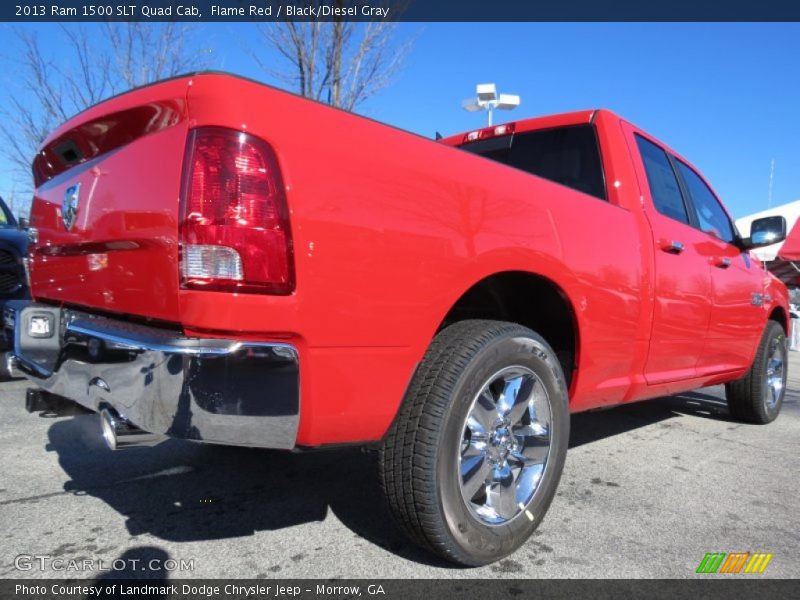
x: 119, y: 433
x: 108, y: 427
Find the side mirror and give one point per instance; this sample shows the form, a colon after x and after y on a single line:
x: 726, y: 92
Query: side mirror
x: 23, y: 223
x: 767, y: 231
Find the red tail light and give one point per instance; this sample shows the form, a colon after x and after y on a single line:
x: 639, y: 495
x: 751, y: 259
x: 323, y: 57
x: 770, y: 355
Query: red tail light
x: 234, y: 226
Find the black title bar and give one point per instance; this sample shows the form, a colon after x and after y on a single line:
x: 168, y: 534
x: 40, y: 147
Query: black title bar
x: 710, y: 588
x: 398, y: 10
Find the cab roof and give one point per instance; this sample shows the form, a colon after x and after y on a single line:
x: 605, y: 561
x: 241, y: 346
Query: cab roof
x: 578, y: 117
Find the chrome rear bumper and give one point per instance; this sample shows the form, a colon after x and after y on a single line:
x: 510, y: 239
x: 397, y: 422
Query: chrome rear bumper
x: 212, y: 390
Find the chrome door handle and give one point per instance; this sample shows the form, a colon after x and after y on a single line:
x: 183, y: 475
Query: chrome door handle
x: 672, y: 246
x: 722, y: 263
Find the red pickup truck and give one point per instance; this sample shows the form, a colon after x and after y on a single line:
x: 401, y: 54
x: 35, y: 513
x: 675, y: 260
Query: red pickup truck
x: 224, y: 262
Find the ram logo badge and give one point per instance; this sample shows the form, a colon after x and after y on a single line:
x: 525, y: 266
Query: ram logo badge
x: 69, y: 207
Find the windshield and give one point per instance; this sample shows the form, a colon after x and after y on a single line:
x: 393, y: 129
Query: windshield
x: 6, y: 219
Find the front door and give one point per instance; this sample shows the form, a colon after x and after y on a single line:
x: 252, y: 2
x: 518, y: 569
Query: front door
x: 682, y: 287
x: 737, y: 317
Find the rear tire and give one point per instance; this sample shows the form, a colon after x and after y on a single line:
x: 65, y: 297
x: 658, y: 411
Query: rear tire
x: 758, y: 396
x: 472, y: 461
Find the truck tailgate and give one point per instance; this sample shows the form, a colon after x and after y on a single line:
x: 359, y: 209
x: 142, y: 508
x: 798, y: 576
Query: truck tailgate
x: 106, y: 205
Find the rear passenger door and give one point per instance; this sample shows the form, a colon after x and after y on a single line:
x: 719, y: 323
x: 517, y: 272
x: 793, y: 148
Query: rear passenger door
x: 682, y: 286
x: 736, y: 323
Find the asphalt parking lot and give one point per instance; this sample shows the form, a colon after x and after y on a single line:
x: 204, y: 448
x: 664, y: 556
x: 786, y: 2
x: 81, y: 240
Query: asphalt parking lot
x: 648, y: 489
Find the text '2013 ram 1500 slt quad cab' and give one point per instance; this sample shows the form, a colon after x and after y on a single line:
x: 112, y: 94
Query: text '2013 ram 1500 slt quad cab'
x: 224, y: 262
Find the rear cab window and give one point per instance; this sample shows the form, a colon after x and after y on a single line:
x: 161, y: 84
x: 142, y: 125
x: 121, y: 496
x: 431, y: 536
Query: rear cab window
x: 567, y: 155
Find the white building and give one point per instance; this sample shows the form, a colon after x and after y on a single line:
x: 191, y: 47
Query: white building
x: 786, y: 270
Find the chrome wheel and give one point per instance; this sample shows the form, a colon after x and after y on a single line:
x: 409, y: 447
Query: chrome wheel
x: 505, y: 445
x: 776, y: 373
x: 758, y: 396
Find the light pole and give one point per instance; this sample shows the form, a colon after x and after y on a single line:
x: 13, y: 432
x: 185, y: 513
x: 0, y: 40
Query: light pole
x: 488, y: 99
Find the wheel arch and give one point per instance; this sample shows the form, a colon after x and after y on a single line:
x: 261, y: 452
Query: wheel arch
x: 529, y: 299
x: 778, y: 315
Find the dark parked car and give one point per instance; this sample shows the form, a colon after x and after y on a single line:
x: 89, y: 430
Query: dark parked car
x: 13, y: 249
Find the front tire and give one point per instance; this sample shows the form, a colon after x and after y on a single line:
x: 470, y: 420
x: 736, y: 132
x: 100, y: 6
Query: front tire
x: 758, y: 396
x: 472, y: 462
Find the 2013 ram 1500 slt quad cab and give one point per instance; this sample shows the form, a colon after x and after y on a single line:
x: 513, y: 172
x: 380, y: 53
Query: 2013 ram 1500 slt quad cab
x: 224, y: 262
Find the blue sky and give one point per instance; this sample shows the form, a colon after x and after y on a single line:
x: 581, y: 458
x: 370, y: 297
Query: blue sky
x: 726, y: 96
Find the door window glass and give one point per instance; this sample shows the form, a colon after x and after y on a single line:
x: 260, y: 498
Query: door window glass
x: 663, y: 184
x: 711, y: 217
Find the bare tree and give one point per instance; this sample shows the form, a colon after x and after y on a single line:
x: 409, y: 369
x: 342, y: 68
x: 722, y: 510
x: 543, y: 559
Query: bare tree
x: 94, y: 63
x: 144, y: 53
x: 341, y: 62
x: 12, y: 200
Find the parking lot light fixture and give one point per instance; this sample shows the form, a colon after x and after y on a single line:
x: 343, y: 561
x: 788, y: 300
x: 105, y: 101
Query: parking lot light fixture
x: 488, y: 99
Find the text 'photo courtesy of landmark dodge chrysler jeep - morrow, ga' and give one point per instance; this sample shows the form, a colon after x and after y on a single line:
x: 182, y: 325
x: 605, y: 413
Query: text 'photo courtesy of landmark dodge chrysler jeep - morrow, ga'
x: 225, y: 262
